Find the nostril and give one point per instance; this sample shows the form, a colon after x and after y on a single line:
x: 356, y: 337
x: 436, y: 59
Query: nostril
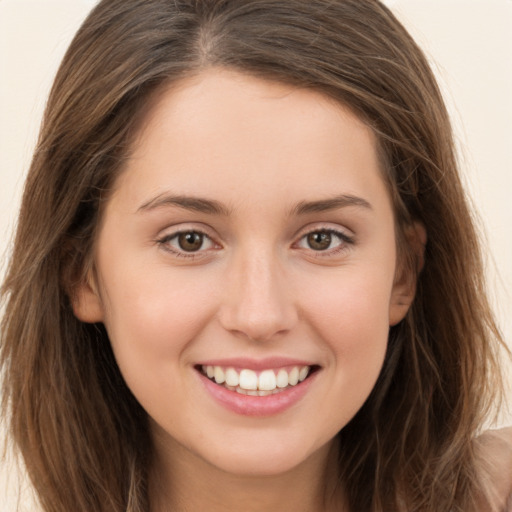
x: 258, y: 313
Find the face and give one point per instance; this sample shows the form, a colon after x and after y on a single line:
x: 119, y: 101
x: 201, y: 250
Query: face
x: 245, y: 271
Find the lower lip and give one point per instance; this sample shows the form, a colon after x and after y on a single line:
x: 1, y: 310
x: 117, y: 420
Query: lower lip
x: 248, y: 405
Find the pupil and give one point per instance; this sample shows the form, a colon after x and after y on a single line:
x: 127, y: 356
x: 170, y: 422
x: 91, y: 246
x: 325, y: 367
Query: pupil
x: 190, y: 241
x: 320, y: 241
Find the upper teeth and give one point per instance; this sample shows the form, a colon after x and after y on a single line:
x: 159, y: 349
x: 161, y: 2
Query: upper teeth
x: 267, y: 380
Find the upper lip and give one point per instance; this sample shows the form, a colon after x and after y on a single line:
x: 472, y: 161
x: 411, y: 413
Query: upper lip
x: 255, y: 364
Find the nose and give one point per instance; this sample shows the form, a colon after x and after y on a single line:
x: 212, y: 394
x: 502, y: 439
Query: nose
x: 258, y: 301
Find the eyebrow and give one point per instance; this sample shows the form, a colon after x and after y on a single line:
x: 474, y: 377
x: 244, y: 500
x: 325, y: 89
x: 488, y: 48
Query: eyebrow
x: 213, y: 207
x: 197, y: 204
x: 333, y: 203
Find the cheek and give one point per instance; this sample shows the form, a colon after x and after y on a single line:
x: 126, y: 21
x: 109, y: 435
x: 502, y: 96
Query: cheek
x: 350, y: 317
x: 349, y: 306
x: 157, y: 304
x: 151, y: 317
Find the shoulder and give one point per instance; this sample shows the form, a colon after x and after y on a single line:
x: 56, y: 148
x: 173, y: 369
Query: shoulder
x: 494, y: 453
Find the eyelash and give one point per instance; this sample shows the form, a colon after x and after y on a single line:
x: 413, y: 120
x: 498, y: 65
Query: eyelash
x: 164, y: 243
x: 345, y: 242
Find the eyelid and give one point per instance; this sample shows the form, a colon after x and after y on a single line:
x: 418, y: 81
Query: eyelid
x: 171, y: 233
x: 327, y: 227
x: 345, y: 235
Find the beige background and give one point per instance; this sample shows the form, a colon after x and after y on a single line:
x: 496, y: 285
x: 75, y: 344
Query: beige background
x: 470, y: 42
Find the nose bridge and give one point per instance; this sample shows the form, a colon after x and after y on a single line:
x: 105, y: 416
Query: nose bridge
x: 258, y: 301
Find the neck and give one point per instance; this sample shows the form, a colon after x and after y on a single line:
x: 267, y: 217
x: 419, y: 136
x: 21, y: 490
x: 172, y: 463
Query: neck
x: 184, y: 482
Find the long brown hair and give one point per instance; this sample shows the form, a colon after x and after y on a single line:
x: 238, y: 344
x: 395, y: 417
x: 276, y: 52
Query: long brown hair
x: 83, y: 436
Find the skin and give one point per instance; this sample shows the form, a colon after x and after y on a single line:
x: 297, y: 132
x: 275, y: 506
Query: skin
x: 494, y: 449
x: 255, y: 288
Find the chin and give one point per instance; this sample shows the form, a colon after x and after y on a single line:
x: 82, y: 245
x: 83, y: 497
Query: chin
x: 261, y: 459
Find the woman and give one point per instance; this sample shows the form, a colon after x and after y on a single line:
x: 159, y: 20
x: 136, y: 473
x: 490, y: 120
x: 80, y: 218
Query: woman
x: 245, y: 274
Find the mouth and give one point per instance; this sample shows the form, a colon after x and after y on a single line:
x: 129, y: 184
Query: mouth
x: 266, y: 382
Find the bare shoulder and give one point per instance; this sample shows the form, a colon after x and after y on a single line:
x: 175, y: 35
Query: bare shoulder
x: 494, y: 450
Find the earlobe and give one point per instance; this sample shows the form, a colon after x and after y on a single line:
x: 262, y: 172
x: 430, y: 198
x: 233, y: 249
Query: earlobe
x: 86, y: 301
x: 398, y: 308
x: 404, y: 287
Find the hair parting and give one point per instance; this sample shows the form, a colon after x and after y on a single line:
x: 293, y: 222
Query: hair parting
x: 411, y: 446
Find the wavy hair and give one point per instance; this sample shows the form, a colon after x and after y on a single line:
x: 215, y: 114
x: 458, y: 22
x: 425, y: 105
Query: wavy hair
x: 83, y: 437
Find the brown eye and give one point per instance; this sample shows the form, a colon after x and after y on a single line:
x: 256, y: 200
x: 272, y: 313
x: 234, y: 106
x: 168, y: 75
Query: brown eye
x: 190, y: 241
x: 187, y: 243
x: 319, y: 240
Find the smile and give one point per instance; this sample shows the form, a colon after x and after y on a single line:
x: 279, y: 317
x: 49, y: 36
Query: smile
x: 253, y: 383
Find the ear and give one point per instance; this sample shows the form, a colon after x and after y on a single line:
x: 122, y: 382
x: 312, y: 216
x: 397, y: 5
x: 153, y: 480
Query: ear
x: 86, y: 301
x: 404, y: 287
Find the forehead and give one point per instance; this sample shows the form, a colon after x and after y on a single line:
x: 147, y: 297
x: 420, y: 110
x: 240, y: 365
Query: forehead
x: 221, y: 132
